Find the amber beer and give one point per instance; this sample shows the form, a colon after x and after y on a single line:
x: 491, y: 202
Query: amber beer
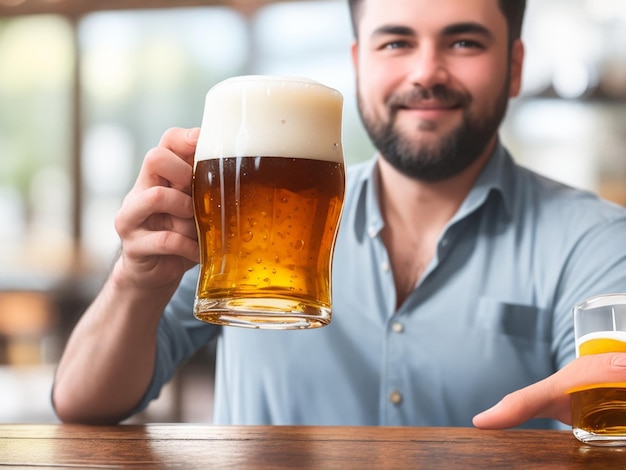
x: 599, y: 410
x: 268, y: 188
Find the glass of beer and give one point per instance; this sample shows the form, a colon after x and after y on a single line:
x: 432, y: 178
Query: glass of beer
x: 268, y: 189
x: 599, y: 411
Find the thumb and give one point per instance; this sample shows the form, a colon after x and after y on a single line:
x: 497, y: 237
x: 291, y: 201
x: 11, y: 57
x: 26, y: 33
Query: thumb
x: 549, y: 398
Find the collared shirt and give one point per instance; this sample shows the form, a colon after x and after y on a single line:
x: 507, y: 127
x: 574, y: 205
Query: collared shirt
x: 491, y: 314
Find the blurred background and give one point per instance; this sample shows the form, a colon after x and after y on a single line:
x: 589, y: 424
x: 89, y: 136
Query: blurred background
x: 87, y: 87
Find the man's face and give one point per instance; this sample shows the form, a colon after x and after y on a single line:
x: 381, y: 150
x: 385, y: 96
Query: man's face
x: 434, y: 79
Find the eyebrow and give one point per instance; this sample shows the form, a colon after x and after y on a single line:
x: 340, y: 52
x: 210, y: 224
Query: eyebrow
x: 465, y: 28
x: 469, y: 27
x: 394, y: 30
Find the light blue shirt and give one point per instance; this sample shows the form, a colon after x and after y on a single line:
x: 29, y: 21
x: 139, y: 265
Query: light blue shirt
x: 491, y: 314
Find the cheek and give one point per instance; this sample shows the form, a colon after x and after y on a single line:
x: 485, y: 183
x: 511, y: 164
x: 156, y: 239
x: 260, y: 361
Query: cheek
x: 484, y: 83
x: 376, y: 84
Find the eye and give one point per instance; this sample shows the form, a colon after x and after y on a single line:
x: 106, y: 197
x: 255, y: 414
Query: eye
x: 397, y: 44
x: 467, y: 44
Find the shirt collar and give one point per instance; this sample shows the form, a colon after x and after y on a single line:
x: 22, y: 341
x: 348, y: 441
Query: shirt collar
x: 497, y: 177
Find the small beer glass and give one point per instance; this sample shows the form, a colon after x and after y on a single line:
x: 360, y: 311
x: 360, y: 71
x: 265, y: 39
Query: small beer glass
x: 599, y: 410
x: 268, y: 189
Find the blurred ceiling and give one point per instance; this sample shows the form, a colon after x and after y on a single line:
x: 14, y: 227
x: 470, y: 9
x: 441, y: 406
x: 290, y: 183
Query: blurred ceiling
x: 81, y: 7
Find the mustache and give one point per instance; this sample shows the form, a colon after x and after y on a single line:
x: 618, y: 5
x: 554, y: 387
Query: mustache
x: 439, y: 95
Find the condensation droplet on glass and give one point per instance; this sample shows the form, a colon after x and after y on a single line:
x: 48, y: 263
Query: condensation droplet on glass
x: 291, y: 267
x: 247, y: 236
x: 298, y: 245
x: 259, y: 261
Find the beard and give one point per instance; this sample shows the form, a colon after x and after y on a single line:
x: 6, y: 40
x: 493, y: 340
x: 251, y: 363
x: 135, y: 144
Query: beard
x: 451, y: 153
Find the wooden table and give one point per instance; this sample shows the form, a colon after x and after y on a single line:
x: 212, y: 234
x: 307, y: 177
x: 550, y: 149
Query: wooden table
x: 257, y: 447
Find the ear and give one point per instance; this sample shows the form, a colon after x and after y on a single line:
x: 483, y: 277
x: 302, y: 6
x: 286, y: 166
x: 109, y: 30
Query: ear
x: 354, y: 50
x: 516, y: 68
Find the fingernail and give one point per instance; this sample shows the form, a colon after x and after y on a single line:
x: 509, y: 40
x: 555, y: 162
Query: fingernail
x: 619, y: 360
x: 192, y: 134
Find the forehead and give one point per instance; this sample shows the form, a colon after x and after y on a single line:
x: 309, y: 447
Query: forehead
x: 428, y: 16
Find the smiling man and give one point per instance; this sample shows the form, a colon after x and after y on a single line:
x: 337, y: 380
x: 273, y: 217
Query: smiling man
x: 455, y: 269
x: 433, y: 87
x: 432, y: 93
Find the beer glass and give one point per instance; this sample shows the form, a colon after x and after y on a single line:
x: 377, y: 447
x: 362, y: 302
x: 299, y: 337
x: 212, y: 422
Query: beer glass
x: 268, y: 189
x: 599, y: 410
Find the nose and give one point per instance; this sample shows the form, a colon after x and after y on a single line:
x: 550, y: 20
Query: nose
x: 428, y: 67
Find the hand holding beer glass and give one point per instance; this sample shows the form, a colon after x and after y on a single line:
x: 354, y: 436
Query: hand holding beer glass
x: 599, y: 410
x: 268, y: 188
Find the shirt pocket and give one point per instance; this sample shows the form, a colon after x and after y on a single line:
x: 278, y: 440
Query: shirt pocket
x: 514, y: 320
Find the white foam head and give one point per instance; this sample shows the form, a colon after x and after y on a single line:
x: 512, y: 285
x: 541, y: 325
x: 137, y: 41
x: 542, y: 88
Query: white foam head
x: 260, y: 115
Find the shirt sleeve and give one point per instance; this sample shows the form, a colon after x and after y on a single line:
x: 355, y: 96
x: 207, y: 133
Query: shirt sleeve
x: 179, y: 336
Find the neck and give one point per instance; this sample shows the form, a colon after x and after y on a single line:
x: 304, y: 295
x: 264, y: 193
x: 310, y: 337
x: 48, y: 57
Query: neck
x: 421, y: 204
x: 415, y: 214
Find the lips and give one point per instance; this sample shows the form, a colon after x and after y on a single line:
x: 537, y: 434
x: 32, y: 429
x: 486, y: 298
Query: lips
x: 429, y: 106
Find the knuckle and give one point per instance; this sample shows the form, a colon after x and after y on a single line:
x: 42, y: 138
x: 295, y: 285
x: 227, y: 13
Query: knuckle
x: 152, y: 156
x: 120, y: 223
x: 155, y: 196
x: 165, y: 242
x: 170, y: 134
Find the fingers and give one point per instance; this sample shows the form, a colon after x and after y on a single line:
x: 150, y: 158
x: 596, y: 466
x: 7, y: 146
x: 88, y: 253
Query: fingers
x: 138, y: 207
x: 164, y: 243
x: 539, y: 400
x: 171, y: 162
x: 549, y: 398
x: 182, y: 142
x: 158, y: 221
x: 156, y: 217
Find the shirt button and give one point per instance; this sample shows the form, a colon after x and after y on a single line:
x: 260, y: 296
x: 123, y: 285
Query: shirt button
x: 372, y: 232
x: 444, y: 242
x: 395, y: 397
x: 384, y: 267
x: 397, y: 327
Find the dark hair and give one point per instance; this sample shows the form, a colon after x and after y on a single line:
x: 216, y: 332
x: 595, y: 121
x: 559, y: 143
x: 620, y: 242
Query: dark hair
x: 513, y: 11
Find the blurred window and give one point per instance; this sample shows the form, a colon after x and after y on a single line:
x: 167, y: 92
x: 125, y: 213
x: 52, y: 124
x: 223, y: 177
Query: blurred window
x: 141, y: 73
x: 144, y: 72
x: 36, y: 60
